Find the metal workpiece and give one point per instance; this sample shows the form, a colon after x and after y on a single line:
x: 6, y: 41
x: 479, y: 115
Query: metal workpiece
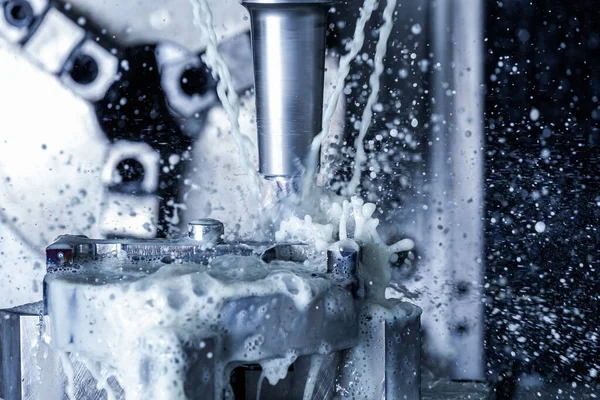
x: 331, y: 319
x: 31, y: 370
x: 326, y: 325
x: 328, y: 335
x: 386, y: 364
x: 206, y: 230
x: 288, y: 45
x: 72, y: 251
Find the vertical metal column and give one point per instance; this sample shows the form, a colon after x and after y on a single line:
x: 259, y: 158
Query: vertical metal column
x: 466, y: 149
x: 455, y: 227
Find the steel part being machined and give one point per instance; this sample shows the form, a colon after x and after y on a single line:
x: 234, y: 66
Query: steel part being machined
x: 91, y: 285
x: 117, y: 218
x: 206, y: 230
x: 288, y: 45
x: 31, y: 370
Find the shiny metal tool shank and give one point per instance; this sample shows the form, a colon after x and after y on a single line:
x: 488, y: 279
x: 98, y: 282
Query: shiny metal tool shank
x: 288, y: 44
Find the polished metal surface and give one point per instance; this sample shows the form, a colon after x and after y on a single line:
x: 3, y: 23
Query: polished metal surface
x: 206, y: 230
x: 288, y: 44
x: 390, y: 357
x: 444, y: 389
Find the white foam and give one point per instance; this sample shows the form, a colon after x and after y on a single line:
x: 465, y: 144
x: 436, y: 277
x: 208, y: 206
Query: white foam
x: 351, y: 219
x: 276, y: 369
x: 152, y: 315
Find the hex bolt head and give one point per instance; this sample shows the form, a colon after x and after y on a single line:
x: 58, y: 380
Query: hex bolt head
x: 206, y: 230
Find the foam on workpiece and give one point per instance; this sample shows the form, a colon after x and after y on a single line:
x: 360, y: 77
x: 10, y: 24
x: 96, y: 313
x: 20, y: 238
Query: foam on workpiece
x: 118, y: 313
x: 123, y: 314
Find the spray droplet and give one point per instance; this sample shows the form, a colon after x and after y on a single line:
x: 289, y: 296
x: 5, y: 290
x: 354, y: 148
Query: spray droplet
x: 534, y: 114
x: 468, y: 133
x: 416, y: 29
x: 540, y: 227
x: 174, y: 159
x: 545, y: 154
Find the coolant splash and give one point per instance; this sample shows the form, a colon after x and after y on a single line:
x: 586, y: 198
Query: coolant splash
x: 360, y: 158
x: 332, y: 103
x: 349, y: 219
x: 229, y: 99
x: 177, y: 302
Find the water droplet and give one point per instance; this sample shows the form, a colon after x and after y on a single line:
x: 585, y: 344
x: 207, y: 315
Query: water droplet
x: 545, y: 154
x: 416, y: 29
x: 540, y: 227
x: 534, y: 114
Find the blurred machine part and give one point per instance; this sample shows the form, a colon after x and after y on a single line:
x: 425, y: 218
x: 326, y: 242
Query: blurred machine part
x: 150, y: 100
